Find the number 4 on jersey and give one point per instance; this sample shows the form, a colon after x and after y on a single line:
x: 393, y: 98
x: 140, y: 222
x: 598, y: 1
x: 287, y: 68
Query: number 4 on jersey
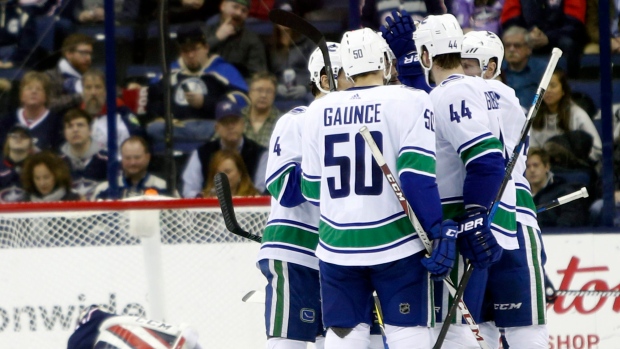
x: 276, y: 147
x: 465, y: 113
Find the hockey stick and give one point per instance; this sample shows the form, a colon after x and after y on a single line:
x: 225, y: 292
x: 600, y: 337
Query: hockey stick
x: 224, y: 196
x: 538, y: 97
x: 300, y: 25
x: 610, y: 293
x: 581, y: 193
x: 376, y: 153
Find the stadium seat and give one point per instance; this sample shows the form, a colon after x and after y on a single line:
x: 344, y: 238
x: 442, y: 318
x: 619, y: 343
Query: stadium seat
x: 593, y: 89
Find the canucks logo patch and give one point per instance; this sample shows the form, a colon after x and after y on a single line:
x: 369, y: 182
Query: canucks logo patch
x: 307, y: 315
x: 298, y: 110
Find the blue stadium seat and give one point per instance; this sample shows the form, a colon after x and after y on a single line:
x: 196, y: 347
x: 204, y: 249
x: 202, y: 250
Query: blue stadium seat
x: 593, y: 89
x: 150, y: 71
x: 121, y: 32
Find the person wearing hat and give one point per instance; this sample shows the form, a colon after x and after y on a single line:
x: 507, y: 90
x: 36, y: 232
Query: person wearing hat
x: 17, y: 147
x: 197, y: 84
x: 228, y: 38
x: 229, y: 129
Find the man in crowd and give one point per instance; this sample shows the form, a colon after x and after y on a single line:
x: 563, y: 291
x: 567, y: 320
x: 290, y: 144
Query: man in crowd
x: 229, y: 128
x: 17, y: 147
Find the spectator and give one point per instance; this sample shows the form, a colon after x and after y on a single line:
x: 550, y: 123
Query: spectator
x: 261, y: 115
x: 17, y: 147
x: 18, y: 34
x: 228, y: 38
x: 545, y: 187
x: 44, y: 125
x: 550, y: 23
x: 593, y: 46
x: 66, y: 78
x: 135, y: 179
x: 198, y: 83
x: 87, y: 163
x: 229, y: 127
x: 558, y: 115
x: 374, y: 12
x: 46, y: 178
x: 521, y: 72
x: 231, y: 163
x: 478, y: 14
x: 94, y: 97
x: 288, y: 60
x: 91, y: 11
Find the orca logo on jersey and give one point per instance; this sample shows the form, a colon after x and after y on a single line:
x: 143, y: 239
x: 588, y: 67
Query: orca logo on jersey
x: 307, y: 315
x: 470, y: 225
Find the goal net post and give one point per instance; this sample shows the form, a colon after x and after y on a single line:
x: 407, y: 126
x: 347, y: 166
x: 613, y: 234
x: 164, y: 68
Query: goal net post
x: 165, y: 259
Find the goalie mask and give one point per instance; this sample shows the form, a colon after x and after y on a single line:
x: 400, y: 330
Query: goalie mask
x: 316, y: 63
x: 440, y: 35
x: 483, y: 45
x: 364, y: 51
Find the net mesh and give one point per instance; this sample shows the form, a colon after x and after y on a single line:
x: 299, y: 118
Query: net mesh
x: 55, y: 264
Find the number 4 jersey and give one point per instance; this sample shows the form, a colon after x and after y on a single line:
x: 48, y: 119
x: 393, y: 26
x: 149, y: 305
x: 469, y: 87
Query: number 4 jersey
x: 362, y: 221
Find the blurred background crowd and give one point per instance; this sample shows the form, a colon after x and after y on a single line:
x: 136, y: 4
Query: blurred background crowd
x: 233, y: 74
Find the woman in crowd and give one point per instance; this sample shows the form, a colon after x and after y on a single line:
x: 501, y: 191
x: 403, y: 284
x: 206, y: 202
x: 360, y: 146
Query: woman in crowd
x: 231, y: 163
x: 559, y: 115
x: 46, y: 177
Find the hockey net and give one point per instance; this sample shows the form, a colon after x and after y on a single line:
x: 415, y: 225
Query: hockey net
x: 169, y: 260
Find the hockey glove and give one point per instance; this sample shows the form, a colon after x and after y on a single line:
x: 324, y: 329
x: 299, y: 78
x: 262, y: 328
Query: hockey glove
x: 399, y: 33
x: 476, y: 241
x: 441, y: 260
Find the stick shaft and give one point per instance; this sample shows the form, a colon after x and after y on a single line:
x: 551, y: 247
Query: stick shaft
x: 581, y: 193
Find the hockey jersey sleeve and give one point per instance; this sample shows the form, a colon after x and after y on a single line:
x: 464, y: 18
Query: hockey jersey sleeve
x: 311, y: 163
x: 466, y: 124
x: 284, y: 162
x: 416, y: 159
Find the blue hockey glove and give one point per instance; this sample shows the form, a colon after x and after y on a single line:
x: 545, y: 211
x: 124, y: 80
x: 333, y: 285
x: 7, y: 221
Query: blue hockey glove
x: 441, y: 260
x: 476, y: 241
x: 399, y: 33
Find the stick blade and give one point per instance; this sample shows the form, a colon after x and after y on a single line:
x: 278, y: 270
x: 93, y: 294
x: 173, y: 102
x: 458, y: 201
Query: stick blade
x: 224, y: 196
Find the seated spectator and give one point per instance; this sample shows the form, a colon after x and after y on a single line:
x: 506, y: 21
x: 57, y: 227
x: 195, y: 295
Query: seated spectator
x: 46, y: 177
x: 229, y: 127
x: 135, y: 180
x: 593, y: 46
x: 230, y: 162
x: 558, y: 114
x: 94, y: 97
x: 18, y: 34
x: 478, y: 14
x: 66, y: 78
x: 288, y: 59
x: 519, y: 70
x: 545, y: 187
x: 261, y: 115
x: 44, y: 125
x: 91, y: 11
x: 238, y: 46
x: 87, y: 163
x: 550, y: 24
x: 17, y: 147
x: 198, y: 84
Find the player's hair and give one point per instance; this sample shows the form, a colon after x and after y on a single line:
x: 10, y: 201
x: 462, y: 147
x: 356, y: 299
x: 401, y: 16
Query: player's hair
x: 447, y: 61
x: 42, y: 78
x: 137, y: 139
x: 94, y: 73
x: 76, y: 113
x: 264, y: 75
x: 540, y: 152
x: 246, y: 187
x: 564, y: 106
x: 72, y: 41
x: 54, y: 163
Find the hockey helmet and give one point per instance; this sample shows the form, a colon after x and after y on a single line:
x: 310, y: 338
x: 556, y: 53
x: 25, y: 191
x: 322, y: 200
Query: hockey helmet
x: 483, y: 45
x: 363, y: 51
x: 316, y: 63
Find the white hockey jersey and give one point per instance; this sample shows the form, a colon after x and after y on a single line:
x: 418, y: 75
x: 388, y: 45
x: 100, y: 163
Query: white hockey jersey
x: 291, y: 233
x: 513, y: 119
x: 468, y: 127
x: 362, y: 222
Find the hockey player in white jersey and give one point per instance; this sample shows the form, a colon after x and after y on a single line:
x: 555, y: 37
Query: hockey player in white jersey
x: 470, y: 165
x: 518, y: 277
x: 366, y: 241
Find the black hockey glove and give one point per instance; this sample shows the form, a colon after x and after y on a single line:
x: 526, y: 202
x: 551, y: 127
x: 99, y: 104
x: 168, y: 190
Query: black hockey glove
x: 441, y: 260
x: 476, y: 241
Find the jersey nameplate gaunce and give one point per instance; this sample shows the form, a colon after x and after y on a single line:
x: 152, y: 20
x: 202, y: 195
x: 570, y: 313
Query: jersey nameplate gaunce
x: 355, y: 114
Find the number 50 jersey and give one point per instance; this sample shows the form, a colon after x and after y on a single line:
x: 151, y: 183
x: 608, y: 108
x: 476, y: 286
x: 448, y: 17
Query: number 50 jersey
x: 362, y: 221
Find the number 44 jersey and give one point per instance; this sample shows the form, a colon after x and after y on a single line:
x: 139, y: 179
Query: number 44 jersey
x: 362, y: 221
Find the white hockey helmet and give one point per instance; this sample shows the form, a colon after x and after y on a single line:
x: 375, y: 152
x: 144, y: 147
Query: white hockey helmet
x: 316, y: 63
x: 483, y: 45
x: 439, y: 35
x: 363, y: 51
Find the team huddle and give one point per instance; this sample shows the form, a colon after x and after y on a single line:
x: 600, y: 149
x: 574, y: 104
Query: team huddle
x: 337, y: 233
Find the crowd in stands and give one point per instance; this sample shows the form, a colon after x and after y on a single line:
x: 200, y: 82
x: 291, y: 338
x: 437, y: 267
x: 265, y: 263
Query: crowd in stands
x: 232, y: 79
